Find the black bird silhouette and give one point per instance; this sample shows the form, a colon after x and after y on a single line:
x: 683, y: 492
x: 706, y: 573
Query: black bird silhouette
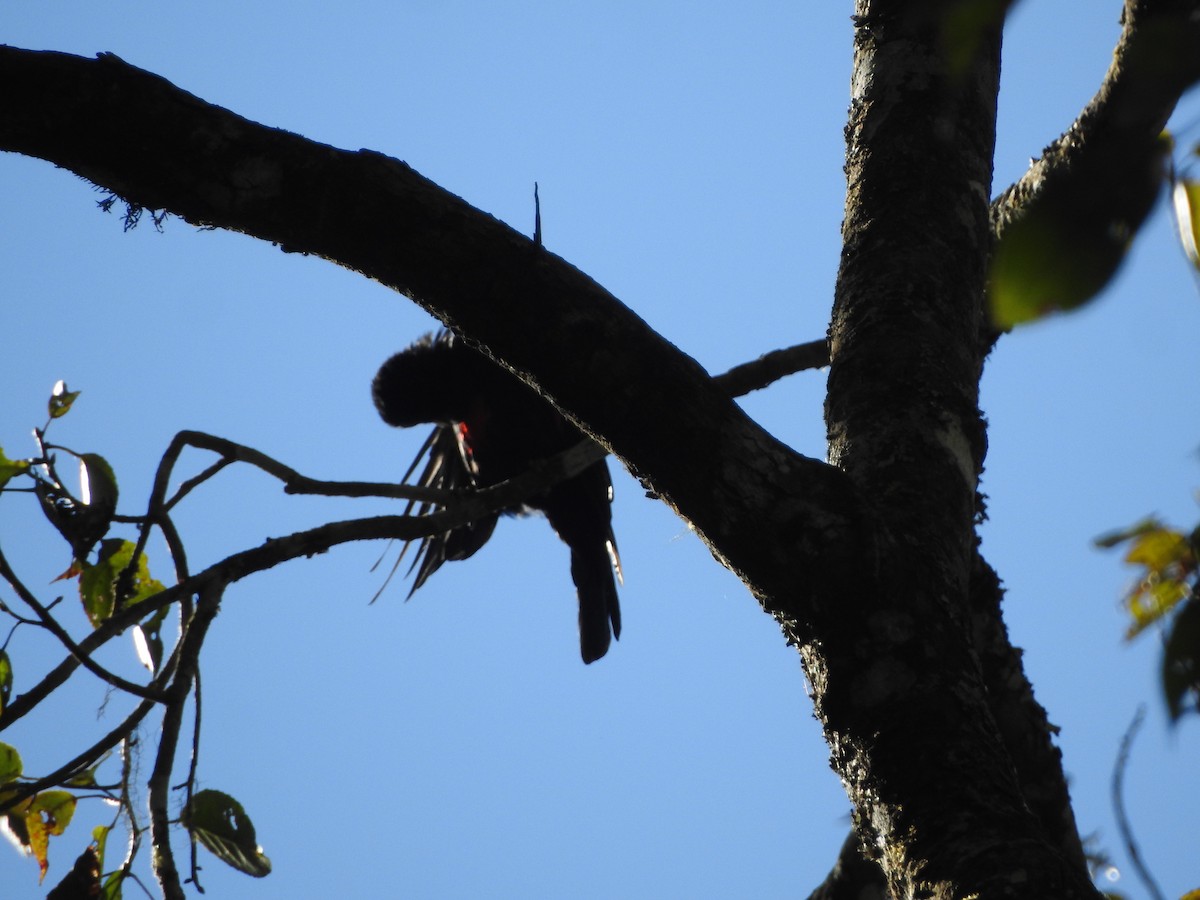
x: 491, y: 427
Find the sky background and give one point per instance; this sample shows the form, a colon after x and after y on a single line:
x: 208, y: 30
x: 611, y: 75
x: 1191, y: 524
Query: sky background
x: 454, y: 745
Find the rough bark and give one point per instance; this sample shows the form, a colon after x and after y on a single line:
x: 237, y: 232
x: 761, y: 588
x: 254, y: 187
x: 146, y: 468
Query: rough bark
x: 870, y: 563
x: 161, y: 148
x: 1156, y: 59
x: 910, y: 708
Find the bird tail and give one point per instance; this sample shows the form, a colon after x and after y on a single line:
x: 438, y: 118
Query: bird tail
x: 599, y: 610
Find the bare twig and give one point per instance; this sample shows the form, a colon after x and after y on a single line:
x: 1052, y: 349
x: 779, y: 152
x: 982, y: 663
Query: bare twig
x: 127, y: 807
x: 81, y: 761
x: 293, y: 481
x: 1118, y: 799
x: 190, y: 785
x: 770, y: 367
x: 159, y: 784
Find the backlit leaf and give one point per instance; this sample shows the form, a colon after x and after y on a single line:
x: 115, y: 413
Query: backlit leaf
x: 48, y: 815
x: 1169, y: 566
x: 963, y: 25
x: 219, y: 823
x: 11, y: 468
x: 101, y: 585
x: 60, y: 400
x: 10, y: 764
x: 147, y: 640
x: 1186, y: 196
x: 6, y: 681
x: 1070, y: 235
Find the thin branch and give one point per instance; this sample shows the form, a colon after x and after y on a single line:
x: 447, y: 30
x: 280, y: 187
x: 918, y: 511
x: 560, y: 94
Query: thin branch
x: 47, y: 621
x: 192, y: 483
x: 293, y: 481
x: 82, y: 760
x: 190, y: 785
x: 770, y: 367
x: 127, y: 809
x: 159, y: 784
x: 1118, y: 801
x: 459, y: 509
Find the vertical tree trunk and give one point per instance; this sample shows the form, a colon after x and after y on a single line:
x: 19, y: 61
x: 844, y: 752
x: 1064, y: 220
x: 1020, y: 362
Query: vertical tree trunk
x: 906, y: 710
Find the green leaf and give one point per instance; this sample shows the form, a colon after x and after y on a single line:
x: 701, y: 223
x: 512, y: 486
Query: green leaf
x: 99, y: 586
x: 10, y: 764
x: 6, y: 681
x: 111, y: 888
x: 219, y: 823
x: 1181, y: 661
x: 1047, y: 263
x: 98, y: 482
x: 100, y: 841
x: 1070, y: 237
x: 11, y: 468
x: 112, y: 885
x: 85, y: 778
x: 1186, y: 196
x: 61, y: 400
x: 963, y: 25
x: 85, y: 521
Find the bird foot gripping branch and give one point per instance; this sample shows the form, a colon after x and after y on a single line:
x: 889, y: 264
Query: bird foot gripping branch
x: 491, y: 427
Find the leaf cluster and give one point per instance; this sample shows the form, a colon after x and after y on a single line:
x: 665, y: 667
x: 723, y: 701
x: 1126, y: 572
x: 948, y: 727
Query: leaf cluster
x: 1166, y: 595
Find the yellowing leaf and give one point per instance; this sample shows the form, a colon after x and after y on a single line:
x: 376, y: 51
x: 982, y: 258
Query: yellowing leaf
x: 1114, y: 538
x: 47, y: 815
x: 1159, y: 548
x: 1152, y: 600
x: 1169, y: 565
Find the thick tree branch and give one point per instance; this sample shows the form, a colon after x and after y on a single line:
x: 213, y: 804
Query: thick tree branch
x: 642, y: 398
x: 1111, y: 144
x: 1027, y: 732
x: 907, y: 712
x: 853, y: 876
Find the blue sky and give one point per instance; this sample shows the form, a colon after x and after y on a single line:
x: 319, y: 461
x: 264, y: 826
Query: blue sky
x: 690, y: 161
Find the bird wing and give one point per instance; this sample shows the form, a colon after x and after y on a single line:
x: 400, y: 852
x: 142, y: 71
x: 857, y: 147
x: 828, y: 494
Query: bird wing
x: 445, y: 469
